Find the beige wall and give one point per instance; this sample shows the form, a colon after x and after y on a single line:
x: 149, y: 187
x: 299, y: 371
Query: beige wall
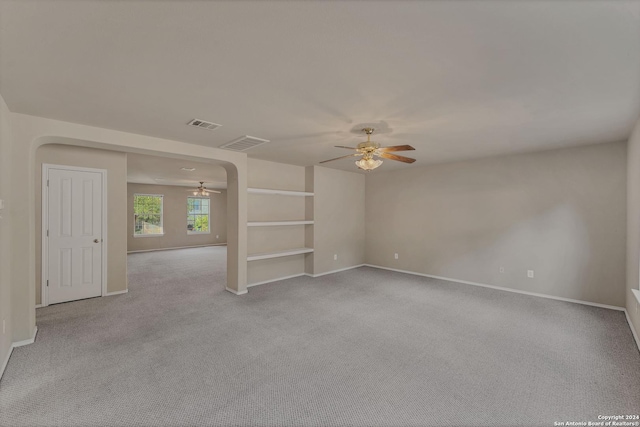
x: 633, y: 227
x: 561, y: 213
x: 339, y: 214
x: 175, y: 219
x: 278, y: 176
x: 116, y: 165
x: 5, y: 235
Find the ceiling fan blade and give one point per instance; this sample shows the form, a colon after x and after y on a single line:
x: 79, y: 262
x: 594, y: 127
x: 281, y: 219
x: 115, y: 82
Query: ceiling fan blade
x: 396, y: 148
x: 398, y: 158
x: 212, y: 191
x: 342, y: 146
x: 343, y: 157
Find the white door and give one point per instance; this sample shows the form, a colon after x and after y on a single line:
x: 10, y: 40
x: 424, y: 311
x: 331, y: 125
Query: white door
x: 74, y: 242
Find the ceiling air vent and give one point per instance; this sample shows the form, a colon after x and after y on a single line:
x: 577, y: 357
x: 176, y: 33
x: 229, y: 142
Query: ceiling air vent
x: 244, y: 143
x: 203, y: 124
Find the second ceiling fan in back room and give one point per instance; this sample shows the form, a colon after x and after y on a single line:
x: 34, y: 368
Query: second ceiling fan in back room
x: 369, y: 150
x: 202, y: 191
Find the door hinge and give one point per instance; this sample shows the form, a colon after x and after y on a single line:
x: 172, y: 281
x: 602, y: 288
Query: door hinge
x: 47, y: 282
x: 47, y: 233
x: 47, y: 183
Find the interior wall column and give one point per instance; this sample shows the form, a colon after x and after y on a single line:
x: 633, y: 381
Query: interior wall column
x: 237, y: 228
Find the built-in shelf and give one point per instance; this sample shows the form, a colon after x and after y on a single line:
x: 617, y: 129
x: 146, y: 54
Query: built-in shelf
x: 288, y: 252
x: 279, y: 192
x: 274, y: 223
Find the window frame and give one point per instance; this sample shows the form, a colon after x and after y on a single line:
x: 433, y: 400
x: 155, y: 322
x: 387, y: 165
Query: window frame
x: 161, y: 196
x: 190, y: 232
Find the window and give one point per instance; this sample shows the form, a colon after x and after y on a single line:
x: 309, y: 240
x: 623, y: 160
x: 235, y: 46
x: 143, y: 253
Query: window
x: 198, y: 215
x: 147, y: 215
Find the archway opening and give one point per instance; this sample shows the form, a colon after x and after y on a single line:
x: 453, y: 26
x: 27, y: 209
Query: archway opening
x: 78, y: 151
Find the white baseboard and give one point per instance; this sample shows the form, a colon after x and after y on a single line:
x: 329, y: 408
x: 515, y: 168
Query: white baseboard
x: 108, y: 294
x: 633, y: 330
x: 275, y: 280
x: 336, y: 271
x: 6, y: 361
x: 17, y: 344
x: 500, y: 288
x: 27, y: 342
x: 304, y: 274
x: 177, y: 247
x: 236, y: 292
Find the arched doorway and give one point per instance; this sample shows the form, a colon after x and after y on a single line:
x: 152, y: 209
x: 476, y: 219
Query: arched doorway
x: 236, y: 264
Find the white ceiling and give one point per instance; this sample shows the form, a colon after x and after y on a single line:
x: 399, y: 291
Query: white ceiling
x: 143, y: 169
x: 455, y: 79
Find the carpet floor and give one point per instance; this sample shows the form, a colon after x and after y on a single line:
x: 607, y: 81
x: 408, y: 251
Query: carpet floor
x: 364, y: 347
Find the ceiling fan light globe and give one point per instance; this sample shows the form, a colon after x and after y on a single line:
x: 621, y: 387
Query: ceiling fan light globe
x: 368, y: 164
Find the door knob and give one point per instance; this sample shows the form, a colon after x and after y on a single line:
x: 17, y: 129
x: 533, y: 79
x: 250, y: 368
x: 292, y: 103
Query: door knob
x: 96, y: 241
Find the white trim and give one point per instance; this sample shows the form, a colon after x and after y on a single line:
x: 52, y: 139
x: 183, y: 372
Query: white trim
x: 633, y: 331
x: 305, y: 274
x: 6, y: 361
x: 275, y: 280
x: 278, y: 254
x: 636, y: 293
x: 44, y: 269
x: 109, y: 294
x: 44, y: 243
x: 274, y: 223
x: 236, y: 292
x: 17, y: 344
x: 500, y: 288
x: 279, y: 192
x: 38, y: 305
x: 178, y: 247
x: 336, y: 271
x: 27, y: 342
x: 148, y: 235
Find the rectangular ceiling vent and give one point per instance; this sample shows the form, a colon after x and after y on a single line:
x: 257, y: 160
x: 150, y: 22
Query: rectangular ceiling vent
x: 203, y: 124
x: 244, y: 143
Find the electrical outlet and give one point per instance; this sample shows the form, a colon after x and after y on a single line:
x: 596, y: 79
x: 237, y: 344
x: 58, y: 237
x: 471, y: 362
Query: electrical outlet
x: 501, y: 269
x: 217, y: 236
x: 530, y: 274
x: 335, y: 257
x: 395, y: 256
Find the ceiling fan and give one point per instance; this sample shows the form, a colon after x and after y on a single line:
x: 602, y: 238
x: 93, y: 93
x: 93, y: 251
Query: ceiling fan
x: 202, y: 190
x: 370, y: 149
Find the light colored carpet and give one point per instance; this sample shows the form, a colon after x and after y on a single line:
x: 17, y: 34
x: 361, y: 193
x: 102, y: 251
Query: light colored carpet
x: 364, y: 347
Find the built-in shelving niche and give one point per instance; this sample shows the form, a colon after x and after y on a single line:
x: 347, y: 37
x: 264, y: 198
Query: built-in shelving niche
x: 277, y: 231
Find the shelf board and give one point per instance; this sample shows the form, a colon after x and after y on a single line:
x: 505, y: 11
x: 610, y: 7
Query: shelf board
x: 274, y: 223
x: 279, y: 192
x: 288, y: 252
